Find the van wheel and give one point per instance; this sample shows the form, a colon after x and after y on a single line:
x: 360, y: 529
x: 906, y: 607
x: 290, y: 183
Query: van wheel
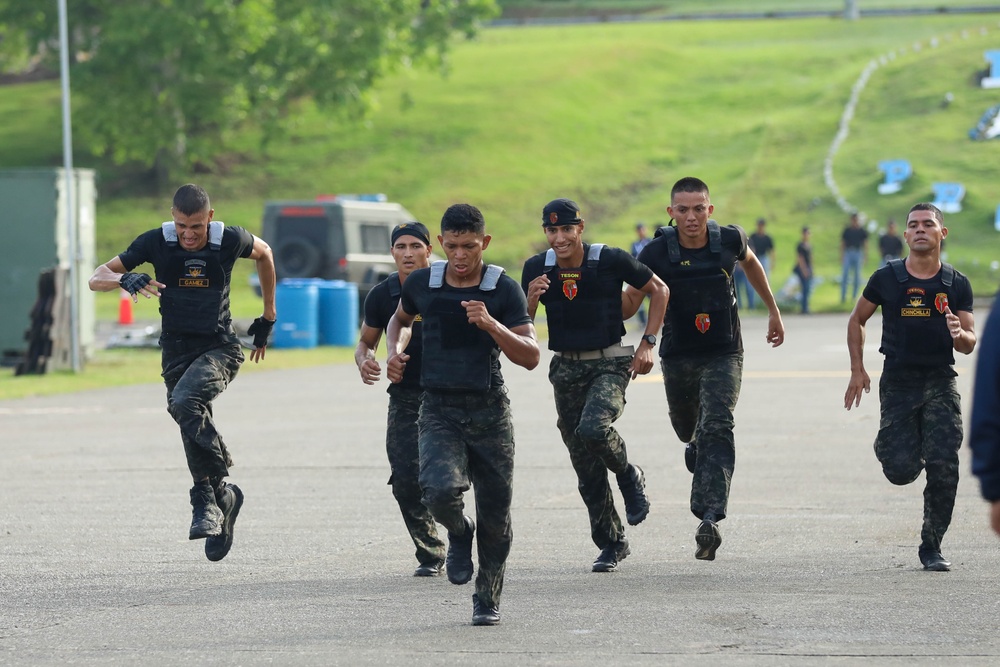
x: 297, y: 258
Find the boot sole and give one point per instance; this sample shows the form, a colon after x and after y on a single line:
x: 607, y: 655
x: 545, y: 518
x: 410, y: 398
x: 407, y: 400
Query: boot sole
x: 708, y: 540
x: 229, y: 524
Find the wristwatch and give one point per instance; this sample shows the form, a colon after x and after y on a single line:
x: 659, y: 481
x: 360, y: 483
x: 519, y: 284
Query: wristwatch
x: 649, y: 338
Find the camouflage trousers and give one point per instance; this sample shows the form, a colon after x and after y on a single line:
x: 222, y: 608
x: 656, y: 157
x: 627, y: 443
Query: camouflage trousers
x: 404, y: 462
x: 590, y: 397
x: 467, y: 440
x: 921, y: 429
x: 194, y: 378
x: 702, y: 392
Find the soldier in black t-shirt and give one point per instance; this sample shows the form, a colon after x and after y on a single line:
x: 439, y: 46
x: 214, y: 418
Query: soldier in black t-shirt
x: 193, y: 258
x: 853, y: 254
x: 411, y: 250
x: 580, y: 286
x: 470, y: 313
x: 926, y: 317
x: 890, y: 245
x: 702, y: 348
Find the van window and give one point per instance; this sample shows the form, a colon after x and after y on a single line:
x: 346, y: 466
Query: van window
x: 375, y: 238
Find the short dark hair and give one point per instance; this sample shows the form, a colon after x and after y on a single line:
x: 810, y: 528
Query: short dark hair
x: 461, y: 218
x: 925, y: 206
x: 689, y: 184
x: 190, y: 199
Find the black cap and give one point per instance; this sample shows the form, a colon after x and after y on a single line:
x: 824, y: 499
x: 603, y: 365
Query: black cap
x: 561, y: 212
x: 415, y: 229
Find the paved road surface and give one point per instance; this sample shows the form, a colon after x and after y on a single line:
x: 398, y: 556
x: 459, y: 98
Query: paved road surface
x: 818, y: 563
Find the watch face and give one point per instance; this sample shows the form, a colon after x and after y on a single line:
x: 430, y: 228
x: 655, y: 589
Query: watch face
x: 649, y: 338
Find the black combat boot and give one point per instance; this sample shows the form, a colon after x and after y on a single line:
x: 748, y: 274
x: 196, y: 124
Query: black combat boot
x: 229, y: 498
x: 611, y: 555
x: 708, y: 538
x: 632, y: 484
x: 458, y: 562
x: 206, y: 517
x: 484, y: 614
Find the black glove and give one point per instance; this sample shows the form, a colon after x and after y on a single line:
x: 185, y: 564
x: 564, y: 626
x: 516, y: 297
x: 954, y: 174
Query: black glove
x: 134, y: 282
x: 260, y: 330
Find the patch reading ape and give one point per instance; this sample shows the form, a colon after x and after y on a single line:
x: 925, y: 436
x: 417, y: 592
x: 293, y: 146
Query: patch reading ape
x: 702, y: 322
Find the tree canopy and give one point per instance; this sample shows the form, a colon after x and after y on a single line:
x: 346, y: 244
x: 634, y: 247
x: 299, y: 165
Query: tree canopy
x: 162, y: 83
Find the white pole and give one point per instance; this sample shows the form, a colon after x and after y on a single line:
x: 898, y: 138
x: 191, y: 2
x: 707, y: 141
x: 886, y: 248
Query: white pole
x: 74, y: 251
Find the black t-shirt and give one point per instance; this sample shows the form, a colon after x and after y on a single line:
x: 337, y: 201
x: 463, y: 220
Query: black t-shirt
x: 761, y: 244
x: 150, y: 247
x: 884, y: 290
x: 615, y: 267
x: 734, y: 249
x: 854, y: 237
x: 380, y: 305
x: 507, y: 305
x: 890, y: 246
x: 805, y: 252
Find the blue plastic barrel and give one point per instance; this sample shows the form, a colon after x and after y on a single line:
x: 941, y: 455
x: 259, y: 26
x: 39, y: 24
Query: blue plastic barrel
x: 338, y: 313
x: 297, y: 302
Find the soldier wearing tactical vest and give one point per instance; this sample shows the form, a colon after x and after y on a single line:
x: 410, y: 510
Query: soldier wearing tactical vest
x: 193, y: 258
x: 701, y: 353
x: 470, y: 313
x: 926, y: 318
x: 580, y: 286
x: 411, y: 250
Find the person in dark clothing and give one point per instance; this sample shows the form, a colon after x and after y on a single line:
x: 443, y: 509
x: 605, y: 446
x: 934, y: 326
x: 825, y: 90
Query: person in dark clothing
x: 411, y: 250
x: 984, y: 426
x: 193, y: 258
x: 926, y: 317
x: 890, y: 245
x: 804, y: 268
x: 580, y: 286
x: 853, y: 253
x: 702, y: 349
x: 470, y: 313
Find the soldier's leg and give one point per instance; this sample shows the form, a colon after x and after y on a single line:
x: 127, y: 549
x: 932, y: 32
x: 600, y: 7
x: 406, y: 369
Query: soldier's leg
x: 721, y: 381
x: 897, y: 445
x: 592, y: 475
x: 491, y: 461
x: 444, y: 475
x: 191, y: 388
x: 604, y: 403
x: 681, y: 378
x: 942, y: 431
x: 404, y: 461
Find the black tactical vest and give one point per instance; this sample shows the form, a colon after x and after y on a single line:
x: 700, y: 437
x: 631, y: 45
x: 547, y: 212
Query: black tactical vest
x: 579, y: 314
x: 914, y: 330
x: 701, y: 314
x: 195, y: 300
x: 457, y: 355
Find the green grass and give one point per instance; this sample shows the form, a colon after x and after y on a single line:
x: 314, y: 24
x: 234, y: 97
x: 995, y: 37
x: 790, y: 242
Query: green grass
x: 611, y: 115
x: 557, y: 8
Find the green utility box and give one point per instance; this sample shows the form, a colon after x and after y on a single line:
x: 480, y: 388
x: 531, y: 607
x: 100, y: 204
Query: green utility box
x: 33, y: 216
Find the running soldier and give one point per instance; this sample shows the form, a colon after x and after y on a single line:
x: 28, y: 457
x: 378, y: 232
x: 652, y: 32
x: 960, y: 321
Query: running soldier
x: 926, y: 317
x: 193, y: 258
x: 411, y: 250
x: 702, y: 348
x: 470, y: 313
x: 590, y: 368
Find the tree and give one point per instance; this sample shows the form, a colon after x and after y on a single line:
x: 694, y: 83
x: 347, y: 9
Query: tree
x: 165, y: 82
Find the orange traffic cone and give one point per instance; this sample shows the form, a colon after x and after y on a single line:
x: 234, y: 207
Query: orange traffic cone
x: 125, y: 308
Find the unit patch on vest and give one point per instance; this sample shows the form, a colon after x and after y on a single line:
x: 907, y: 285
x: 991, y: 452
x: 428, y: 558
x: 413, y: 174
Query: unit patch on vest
x: 194, y: 274
x: 915, y: 304
x: 940, y: 301
x: 703, y: 322
x: 569, y: 283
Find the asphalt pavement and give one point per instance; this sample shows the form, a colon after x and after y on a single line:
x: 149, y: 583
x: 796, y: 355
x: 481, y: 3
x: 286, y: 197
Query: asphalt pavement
x: 818, y: 563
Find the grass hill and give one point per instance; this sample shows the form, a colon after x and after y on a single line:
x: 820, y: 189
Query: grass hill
x: 611, y: 115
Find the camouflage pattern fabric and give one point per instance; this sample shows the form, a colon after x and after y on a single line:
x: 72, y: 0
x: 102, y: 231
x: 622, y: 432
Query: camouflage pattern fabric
x: 921, y: 429
x: 467, y: 440
x: 194, y: 379
x: 590, y: 397
x: 404, y: 461
x: 702, y: 391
